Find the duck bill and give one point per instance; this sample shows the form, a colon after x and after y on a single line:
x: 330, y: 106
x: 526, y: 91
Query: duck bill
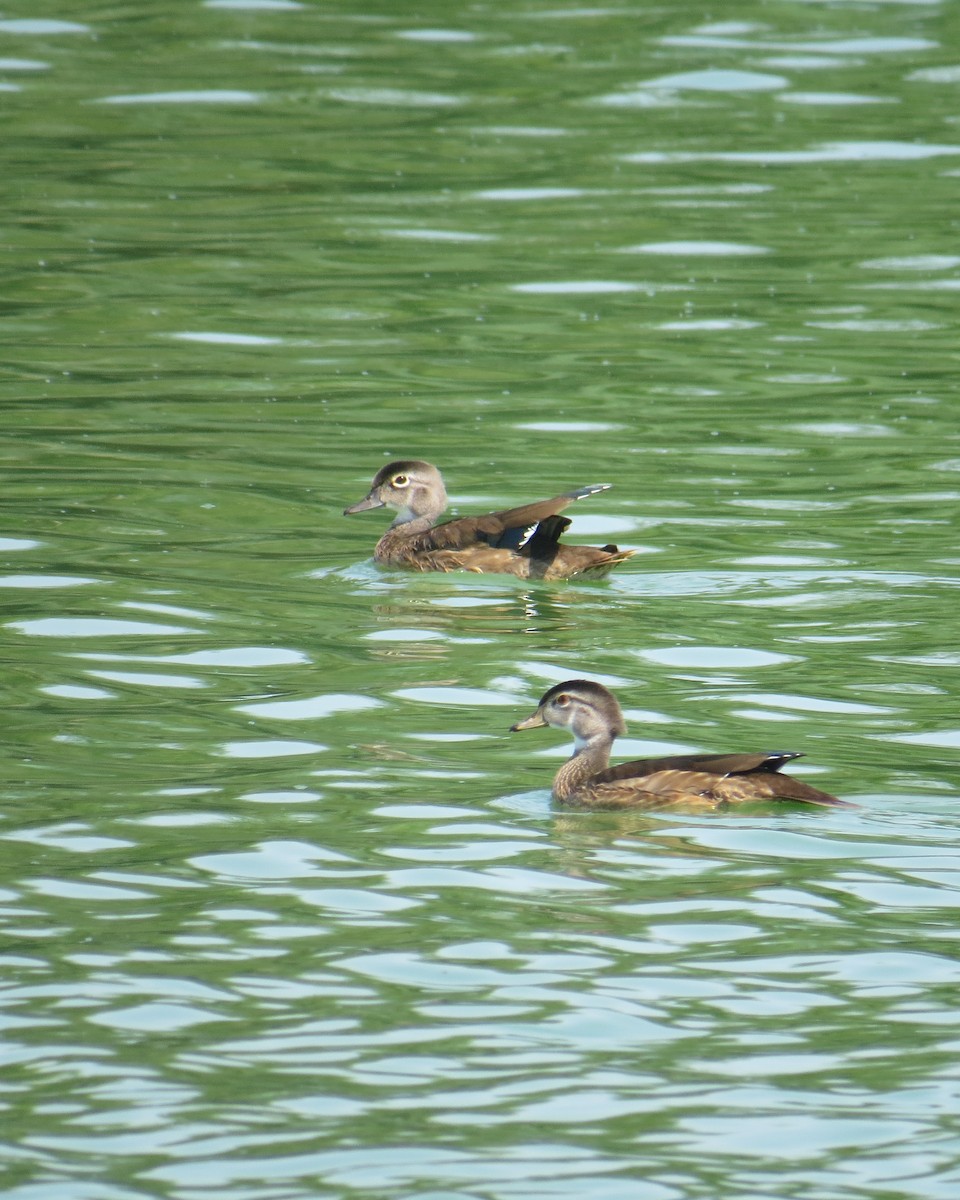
x: 363, y: 505
x: 534, y: 721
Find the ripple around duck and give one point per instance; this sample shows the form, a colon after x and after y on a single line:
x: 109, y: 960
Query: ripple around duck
x: 72, y: 691
x: 535, y: 193
x: 719, y: 657
x: 222, y: 338
x: 719, y: 80
x: 256, y: 5
x: 394, y: 97
x: 438, y: 235
x: 513, y: 1173
x: 242, y: 657
x: 42, y: 27
x: 45, y: 581
x: 470, y: 697
x: 438, y: 36
x: 271, y: 860
x: 576, y: 287
x: 200, y: 96
x: 727, y: 583
x: 311, y: 708
x: 694, y: 249
x: 23, y: 64
x: 150, y: 679
x: 827, y: 152
x: 268, y: 748
x: 89, y: 627
x: 837, y: 99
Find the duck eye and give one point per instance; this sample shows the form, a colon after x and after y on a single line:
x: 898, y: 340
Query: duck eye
x: 562, y: 700
x: 400, y: 481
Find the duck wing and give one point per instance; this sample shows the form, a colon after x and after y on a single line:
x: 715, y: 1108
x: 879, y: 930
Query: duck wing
x: 710, y: 764
x: 721, y: 779
x: 512, y: 529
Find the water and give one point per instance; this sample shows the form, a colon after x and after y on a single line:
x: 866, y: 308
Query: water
x: 287, y: 912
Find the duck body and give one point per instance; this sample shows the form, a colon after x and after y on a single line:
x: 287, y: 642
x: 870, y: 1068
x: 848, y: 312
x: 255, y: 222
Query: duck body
x: 523, y: 541
x: 689, y: 782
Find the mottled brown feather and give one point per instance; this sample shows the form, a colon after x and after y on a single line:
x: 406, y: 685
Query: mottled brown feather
x: 567, y: 562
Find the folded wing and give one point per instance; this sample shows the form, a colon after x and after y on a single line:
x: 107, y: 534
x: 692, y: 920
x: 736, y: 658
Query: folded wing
x: 724, y: 778
x: 512, y: 529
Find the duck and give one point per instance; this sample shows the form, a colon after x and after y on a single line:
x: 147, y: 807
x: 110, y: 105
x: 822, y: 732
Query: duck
x: 688, y: 782
x: 523, y: 541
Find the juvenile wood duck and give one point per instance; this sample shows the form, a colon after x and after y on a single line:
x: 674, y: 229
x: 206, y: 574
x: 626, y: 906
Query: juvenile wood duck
x: 522, y: 541
x: 690, y: 782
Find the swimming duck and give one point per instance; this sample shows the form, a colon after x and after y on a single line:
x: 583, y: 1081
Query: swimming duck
x: 691, y: 782
x: 522, y: 541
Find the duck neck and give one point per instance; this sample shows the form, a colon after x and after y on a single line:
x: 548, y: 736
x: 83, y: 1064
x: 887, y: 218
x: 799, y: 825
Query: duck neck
x: 590, y: 756
x: 410, y: 523
x: 429, y: 507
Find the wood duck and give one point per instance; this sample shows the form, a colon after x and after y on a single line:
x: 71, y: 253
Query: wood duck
x: 522, y: 541
x: 690, y: 782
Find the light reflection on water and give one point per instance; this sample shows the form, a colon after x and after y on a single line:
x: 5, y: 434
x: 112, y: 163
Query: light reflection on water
x: 242, y: 959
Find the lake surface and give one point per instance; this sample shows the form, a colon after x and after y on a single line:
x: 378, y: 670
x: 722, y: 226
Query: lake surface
x: 287, y: 913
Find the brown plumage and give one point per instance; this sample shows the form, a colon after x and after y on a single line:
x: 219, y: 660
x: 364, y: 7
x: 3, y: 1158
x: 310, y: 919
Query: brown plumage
x: 522, y: 541
x: 691, y: 782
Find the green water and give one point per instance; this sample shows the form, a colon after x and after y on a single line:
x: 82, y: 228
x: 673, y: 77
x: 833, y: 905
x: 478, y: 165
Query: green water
x: 287, y: 914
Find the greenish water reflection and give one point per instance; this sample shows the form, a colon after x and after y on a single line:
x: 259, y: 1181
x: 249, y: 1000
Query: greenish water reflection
x: 286, y: 911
